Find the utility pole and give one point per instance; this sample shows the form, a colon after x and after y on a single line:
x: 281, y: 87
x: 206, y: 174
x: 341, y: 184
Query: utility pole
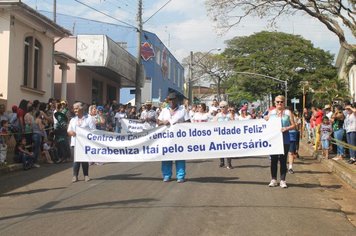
x: 190, y: 83
x: 54, y: 11
x: 138, y: 66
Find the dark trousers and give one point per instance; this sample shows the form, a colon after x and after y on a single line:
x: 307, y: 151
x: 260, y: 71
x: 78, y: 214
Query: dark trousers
x: 63, y: 150
x: 282, y: 163
x: 228, y: 160
x: 76, y: 167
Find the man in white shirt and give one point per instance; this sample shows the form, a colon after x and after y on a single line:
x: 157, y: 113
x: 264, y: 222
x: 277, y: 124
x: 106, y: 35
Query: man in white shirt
x: 149, y: 115
x: 169, y: 116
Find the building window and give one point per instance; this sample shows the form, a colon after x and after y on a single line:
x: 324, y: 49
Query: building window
x: 32, y: 63
x: 111, y: 93
x: 175, y: 73
x: 158, y: 56
x: 97, y: 92
x: 170, y: 68
x: 178, y: 77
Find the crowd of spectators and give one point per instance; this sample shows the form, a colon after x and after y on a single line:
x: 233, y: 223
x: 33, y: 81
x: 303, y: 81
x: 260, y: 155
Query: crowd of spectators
x: 40, y: 129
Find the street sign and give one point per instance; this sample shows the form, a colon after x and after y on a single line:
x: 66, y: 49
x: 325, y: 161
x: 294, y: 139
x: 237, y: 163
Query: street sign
x: 294, y: 100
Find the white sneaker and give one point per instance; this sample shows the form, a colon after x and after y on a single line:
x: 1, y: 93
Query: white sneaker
x: 74, y: 179
x: 86, y: 178
x: 273, y: 183
x: 36, y: 165
x: 283, y: 184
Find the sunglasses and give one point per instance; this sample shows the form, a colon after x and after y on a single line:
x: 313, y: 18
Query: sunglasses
x: 279, y: 102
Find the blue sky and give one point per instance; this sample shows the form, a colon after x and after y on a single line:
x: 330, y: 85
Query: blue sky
x: 183, y: 25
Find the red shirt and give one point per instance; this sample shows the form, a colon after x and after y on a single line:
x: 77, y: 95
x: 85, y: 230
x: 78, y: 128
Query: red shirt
x: 319, y: 117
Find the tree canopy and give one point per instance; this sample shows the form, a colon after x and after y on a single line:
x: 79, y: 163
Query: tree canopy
x: 335, y: 15
x: 282, y: 56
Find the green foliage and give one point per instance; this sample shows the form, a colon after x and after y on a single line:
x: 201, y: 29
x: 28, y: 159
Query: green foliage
x: 279, y: 55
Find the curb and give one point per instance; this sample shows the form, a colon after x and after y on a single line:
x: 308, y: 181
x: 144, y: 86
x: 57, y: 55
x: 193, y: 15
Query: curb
x: 345, y: 171
x: 341, y: 169
x: 11, y: 167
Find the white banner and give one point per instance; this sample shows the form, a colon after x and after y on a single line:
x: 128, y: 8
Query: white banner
x: 184, y: 141
x: 133, y: 126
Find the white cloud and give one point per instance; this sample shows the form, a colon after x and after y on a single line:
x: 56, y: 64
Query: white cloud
x: 184, y: 26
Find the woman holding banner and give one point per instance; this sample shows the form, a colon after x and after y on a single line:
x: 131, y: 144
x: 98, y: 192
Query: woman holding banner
x: 223, y: 116
x: 287, y: 120
x: 79, y: 120
x: 171, y: 115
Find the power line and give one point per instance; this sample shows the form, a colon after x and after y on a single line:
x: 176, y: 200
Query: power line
x: 118, y: 6
x: 157, y: 11
x: 105, y: 14
x: 86, y: 19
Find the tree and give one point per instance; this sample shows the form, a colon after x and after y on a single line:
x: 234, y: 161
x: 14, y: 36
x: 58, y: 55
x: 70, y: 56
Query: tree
x: 333, y: 14
x: 329, y: 91
x: 279, y: 55
x: 208, y: 68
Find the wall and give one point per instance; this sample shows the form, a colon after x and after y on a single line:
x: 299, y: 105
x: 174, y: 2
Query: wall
x: 4, y: 55
x: 19, y: 31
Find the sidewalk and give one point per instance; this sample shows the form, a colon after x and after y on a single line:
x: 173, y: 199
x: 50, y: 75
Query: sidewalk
x: 341, y: 168
x: 10, y: 166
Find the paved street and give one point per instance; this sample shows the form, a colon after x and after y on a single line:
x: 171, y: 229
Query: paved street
x: 131, y: 199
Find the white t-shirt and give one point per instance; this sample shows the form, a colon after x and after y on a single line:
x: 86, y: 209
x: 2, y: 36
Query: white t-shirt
x: 248, y: 117
x: 178, y: 115
x: 84, y: 122
x: 118, y: 116
x: 212, y: 109
x: 200, y: 117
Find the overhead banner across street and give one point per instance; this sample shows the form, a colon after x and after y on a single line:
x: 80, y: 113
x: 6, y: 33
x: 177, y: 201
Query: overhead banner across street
x: 184, y: 141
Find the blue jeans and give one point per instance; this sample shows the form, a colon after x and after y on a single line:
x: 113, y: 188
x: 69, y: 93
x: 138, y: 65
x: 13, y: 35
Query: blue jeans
x: 36, y: 140
x: 351, y: 139
x: 309, y: 131
x: 117, y: 129
x: 339, y: 134
x: 167, y: 169
x: 325, y: 144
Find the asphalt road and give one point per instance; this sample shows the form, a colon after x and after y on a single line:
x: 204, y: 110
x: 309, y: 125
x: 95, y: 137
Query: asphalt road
x: 131, y: 199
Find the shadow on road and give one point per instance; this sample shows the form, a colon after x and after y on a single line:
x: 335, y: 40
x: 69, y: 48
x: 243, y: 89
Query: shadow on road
x: 251, y: 166
x: 29, y: 192
x: 46, y: 208
x: 17, y: 179
x: 222, y: 180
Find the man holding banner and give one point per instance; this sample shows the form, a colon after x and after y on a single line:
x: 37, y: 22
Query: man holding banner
x: 149, y: 115
x: 171, y: 115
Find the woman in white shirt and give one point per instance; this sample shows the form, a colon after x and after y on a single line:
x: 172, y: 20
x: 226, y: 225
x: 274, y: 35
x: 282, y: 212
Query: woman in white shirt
x: 243, y: 114
x: 350, y: 127
x: 201, y: 115
x: 79, y: 120
x: 223, y: 116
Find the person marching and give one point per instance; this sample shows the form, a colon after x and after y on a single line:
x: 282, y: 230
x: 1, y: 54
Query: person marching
x: 79, y: 120
x: 149, y: 116
x: 223, y: 116
x: 287, y: 119
x: 171, y: 115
